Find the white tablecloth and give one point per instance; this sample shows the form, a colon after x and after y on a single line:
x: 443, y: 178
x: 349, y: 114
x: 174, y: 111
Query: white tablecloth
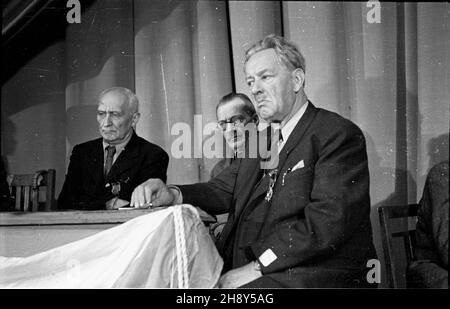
x: 140, y: 253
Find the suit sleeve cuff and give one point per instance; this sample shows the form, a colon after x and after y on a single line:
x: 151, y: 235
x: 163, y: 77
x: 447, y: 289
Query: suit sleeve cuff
x: 178, y: 195
x: 265, y: 258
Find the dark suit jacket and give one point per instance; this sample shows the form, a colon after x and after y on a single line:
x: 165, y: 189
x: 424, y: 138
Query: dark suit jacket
x: 318, y: 220
x: 220, y: 166
x: 84, y: 186
x: 430, y: 270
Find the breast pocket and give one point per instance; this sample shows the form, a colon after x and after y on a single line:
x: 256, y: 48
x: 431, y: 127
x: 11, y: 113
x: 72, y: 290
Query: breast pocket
x: 300, y: 171
x: 297, y: 185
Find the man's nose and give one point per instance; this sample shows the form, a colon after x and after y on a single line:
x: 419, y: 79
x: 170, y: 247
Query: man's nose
x: 256, y: 88
x: 107, y: 120
x: 229, y: 127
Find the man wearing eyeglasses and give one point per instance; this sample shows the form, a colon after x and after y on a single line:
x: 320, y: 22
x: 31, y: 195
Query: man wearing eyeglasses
x: 103, y: 172
x: 237, y: 119
x: 304, y: 222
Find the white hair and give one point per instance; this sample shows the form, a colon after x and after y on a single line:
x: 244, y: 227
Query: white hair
x: 133, y: 102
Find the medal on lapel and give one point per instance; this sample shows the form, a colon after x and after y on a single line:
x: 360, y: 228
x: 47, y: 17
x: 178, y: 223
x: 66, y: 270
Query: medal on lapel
x: 273, y: 174
x: 115, y: 188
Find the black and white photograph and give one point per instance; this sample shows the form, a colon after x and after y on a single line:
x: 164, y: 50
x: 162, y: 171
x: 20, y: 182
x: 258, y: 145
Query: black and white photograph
x: 224, y: 150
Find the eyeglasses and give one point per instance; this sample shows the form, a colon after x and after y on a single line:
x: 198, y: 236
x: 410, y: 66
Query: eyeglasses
x: 236, y: 120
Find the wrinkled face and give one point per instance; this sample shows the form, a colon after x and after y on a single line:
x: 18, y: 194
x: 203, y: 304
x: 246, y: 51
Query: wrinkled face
x: 115, y: 119
x: 234, y: 120
x: 273, y: 86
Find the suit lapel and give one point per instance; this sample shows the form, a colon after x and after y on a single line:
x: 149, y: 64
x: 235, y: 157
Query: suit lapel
x: 95, y: 162
x: 293, y: 140
x: 297, y: 134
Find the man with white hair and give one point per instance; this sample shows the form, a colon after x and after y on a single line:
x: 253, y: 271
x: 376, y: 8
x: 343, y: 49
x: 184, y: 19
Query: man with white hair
x: 104, y: 172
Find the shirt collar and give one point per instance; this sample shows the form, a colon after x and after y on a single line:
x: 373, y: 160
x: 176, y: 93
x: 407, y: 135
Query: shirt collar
x: 290, y: 125
x: 119, y: 147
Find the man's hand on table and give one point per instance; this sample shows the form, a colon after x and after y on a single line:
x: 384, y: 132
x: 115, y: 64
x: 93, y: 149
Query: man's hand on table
x: 153, y: 193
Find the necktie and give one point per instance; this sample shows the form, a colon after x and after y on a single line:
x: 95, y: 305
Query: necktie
x: 275, y: 141
x: 272, y: 171
x: 110, y: 151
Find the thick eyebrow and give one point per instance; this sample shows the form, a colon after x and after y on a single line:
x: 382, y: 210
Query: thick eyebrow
x: 111, y: 112
x: 259, y: 73
x: 262, y: 71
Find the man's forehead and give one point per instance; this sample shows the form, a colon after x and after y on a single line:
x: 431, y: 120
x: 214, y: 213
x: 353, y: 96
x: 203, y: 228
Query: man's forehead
x: 231, y: 108
x: 262, y: 60
x: 108, y: 107
x: 113, y: 101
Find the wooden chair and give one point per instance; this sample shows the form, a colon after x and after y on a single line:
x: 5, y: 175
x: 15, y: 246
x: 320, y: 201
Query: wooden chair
x: 396, y: 259
x: 27, y: 187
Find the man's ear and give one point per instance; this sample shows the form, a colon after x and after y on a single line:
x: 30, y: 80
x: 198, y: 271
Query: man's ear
x: 135, y: 119
x: 298, y: 77
x: 255, y: 119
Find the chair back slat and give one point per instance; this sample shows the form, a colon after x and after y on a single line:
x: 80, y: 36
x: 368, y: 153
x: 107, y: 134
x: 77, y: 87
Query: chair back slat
x: 34, y: 199
x: 49, y: 181
x: 409, y: 246
x: 27, y: 189
x: 402, y: 211
x: 26, y: 198
x: 395, y: 275
x: 18, y: 198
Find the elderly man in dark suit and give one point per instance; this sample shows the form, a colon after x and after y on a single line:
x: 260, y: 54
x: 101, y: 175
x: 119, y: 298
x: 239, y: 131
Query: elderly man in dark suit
x: 104, y: 172
x: 305, y: 222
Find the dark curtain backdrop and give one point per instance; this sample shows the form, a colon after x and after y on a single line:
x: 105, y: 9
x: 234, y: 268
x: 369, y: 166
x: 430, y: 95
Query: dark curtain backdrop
x: 391, y: 78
